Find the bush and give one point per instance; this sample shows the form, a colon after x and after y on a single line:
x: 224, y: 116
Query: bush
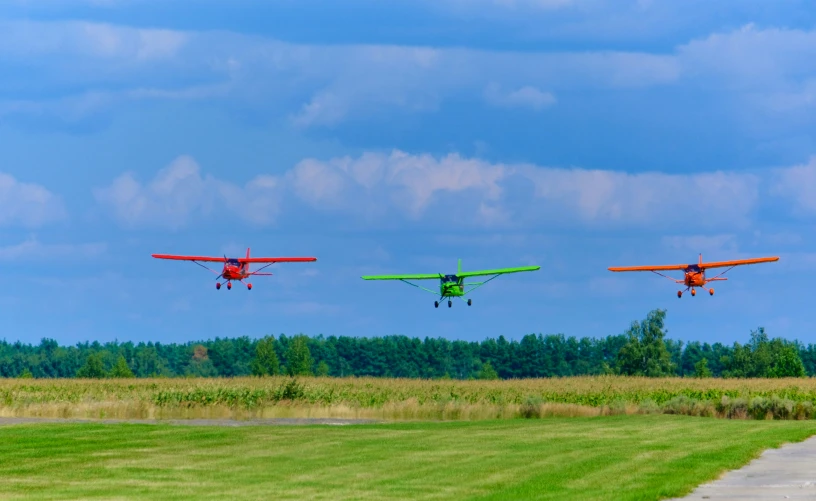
x: 531, y: 408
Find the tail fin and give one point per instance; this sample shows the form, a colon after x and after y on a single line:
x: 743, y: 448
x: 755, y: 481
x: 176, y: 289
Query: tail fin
x: 700, y: 262
x: 247, y: 264
x: 459, y: 267
x: 247, y: 252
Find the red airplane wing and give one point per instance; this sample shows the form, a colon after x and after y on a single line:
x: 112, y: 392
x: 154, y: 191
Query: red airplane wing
x: 739, y: 262
x: 276, y: 259
x: 189, y: 258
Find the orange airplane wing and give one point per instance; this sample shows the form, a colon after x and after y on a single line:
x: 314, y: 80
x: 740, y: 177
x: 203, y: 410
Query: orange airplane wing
x: 738, y: 262
x: 665, y: 267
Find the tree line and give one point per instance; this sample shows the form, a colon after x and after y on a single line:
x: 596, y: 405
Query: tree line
x: 641, y: 350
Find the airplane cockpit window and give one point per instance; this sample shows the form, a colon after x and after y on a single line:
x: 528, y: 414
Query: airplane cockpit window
x: 232, y: 262
x: 449, y: 278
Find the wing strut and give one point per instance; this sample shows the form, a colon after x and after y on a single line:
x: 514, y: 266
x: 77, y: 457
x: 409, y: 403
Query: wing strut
x: 723, y: 273
x: 206, y: 268
x: 479, y: 284
x: 261, y: 268
x: 435, y: 293
x: 666, y: 276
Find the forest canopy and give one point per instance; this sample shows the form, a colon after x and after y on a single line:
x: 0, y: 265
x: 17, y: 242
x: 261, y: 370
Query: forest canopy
x: 641, y: 350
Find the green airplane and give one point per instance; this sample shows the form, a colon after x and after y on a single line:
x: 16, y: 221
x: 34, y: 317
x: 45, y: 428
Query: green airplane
x: 451, y: 286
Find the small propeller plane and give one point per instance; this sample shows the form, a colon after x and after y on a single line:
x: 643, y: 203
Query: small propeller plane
x: 236, y: 269
x: 451, y: 286
x: 695, y: 273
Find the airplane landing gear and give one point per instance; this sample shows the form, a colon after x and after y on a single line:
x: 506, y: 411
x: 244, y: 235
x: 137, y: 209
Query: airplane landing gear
x: 711, y: 292
x: 470, y: 302
x: 217, y: 286
x: 249, y: 287
x: 436, y: 304
x: 679, y: 293
x: 450, y: 303
x: 693, y: 292
x: 229, y: 286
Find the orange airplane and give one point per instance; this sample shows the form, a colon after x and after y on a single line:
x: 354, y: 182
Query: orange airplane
x: 695, y: 273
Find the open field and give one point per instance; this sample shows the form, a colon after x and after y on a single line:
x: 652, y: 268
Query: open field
x: 618, y: 457
x: 406, y: 399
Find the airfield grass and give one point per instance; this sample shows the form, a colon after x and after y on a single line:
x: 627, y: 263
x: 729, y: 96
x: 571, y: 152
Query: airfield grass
x: 407, y: 399
x: 613, y: 457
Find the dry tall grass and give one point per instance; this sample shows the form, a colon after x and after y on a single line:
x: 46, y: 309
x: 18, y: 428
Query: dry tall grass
x: 406, y: 399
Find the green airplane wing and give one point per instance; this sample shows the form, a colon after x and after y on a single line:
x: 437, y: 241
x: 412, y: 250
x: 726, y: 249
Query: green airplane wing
x: 501, y: 271
x: 427, y: 276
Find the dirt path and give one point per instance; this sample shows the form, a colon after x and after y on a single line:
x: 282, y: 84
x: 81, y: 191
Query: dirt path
x: 192, y: 422
x: 785, y: 473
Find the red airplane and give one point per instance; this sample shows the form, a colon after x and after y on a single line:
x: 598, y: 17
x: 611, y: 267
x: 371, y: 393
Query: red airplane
x: 694, y: 274
x: 236, y: 269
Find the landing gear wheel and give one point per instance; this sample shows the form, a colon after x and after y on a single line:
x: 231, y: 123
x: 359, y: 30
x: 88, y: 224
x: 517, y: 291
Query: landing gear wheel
x: 450, y: 303
x: 710, y: 292
x: 229, y: 286
x: 436, y: 304
x: 693, y: 292
x: 249, y: 287
x: 470, y: 302
x: 217, y: 286
x: 679, y: 293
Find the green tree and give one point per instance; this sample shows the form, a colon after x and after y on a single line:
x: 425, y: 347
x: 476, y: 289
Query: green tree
x: 645, y: 352
x: 265, y: 362
x: 121, y: 369
x: 93, y: 368
x: 322, y: 369
x: 488, y: 372
x: 26, y: 374
x: 787, y: 363
x: 701, y: 369
x: 298, y: 357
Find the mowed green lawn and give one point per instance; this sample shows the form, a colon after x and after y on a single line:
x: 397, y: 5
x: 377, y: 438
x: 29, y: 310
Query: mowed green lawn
x: 622, y: 457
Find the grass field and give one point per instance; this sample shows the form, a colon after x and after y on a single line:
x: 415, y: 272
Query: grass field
x: 396, y: 399
x: 618, y: 457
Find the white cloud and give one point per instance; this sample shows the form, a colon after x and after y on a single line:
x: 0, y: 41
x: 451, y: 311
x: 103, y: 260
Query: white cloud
x: 319, y: 85
x: 600, y: 196
x: 179, y: 192
x: 751, y: 59
x: 406, y: 182
x: 33, y: 249
x: 384, y: 188
x: 29, y: 39
x: 524, y: 97
x: 797, y: 184
x: 324, y: 85
x: 28, y: 204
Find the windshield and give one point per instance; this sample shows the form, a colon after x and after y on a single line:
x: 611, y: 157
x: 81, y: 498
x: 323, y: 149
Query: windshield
x: 449, y: 278
x: 233, y: 262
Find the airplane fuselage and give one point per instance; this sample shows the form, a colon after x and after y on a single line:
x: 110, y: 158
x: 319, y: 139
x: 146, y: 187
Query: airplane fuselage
x: 231, y: 272
x: 694, y: 278
x: 452, y: 289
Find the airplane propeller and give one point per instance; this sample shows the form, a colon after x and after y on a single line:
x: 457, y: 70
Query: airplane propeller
x: 222, y: 273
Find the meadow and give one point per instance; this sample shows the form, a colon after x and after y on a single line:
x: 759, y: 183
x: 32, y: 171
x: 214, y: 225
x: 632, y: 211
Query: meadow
x: 407, y: 399
x: 616, y: 457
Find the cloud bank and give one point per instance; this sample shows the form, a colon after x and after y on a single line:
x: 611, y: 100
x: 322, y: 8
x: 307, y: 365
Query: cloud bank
x: 378, y: 188
x: 325, y: 85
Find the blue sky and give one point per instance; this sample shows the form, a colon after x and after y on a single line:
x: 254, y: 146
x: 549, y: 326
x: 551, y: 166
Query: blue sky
x: 389, y: 137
